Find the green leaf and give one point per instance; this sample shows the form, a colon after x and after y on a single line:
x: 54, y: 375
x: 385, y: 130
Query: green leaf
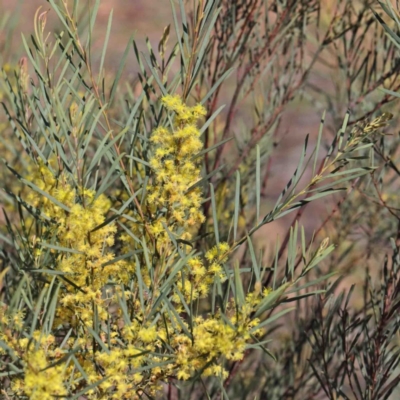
x: 258, y: 183
x: 223, y: 77
x: 271, y: 300
x: 237, y: 206
x: 204, y: 44
x: 214, y: 213
x: 38, y: 308
x: 239, y: 292
x: 211, y: 119
x: 178, y: 35
x: 321, y: 128
x: 107, y: 182
x: 208, y: 149
x: 88, y: 388
x: 270, y: 320
x: 60, y: 248
x: 103, y: 54
x: 119, y: 72
x: 103, y: 148
x: 155, y: 74
x: 255, y: 268
x: 98, y: 340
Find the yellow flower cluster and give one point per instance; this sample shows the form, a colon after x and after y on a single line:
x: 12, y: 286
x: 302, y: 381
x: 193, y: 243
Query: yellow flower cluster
x: 40, y: 382
x: 201, y: 278
x: 176, y: 171
x: 83, y: 252
x: 121, y: 365
x: 133, y: 358
x: 214, y: 338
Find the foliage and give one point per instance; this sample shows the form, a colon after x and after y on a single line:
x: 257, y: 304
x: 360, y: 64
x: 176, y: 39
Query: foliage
x: 129, y: 262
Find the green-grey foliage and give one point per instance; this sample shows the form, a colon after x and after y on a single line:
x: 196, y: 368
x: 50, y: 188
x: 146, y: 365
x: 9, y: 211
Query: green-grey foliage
x: 131, y: 264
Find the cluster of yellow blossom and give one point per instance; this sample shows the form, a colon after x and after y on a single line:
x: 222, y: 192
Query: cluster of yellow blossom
x: 85, y: 252
x: 201, y: 277
x: 176, y: 170
x: 215, y: 338
x: 41, y: 381
x: 120, y: 370
x: 133, y: 358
